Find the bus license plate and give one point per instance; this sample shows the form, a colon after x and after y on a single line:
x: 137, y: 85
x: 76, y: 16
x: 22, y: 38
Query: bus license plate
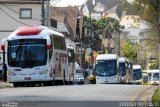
x: 27, y: 78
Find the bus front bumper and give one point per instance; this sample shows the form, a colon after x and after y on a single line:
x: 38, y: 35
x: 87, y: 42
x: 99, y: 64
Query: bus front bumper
x: 29, y: 78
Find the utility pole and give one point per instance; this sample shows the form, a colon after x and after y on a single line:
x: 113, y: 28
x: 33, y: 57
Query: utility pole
x: 90, y: 24
x: 159, y: 69
x: 80, y: 28
x: 90, y: 34
x: 43, y: 13
x: 47, y: 14
x: 119, y: 44
x: 108, y: 41
x: 145, y: 60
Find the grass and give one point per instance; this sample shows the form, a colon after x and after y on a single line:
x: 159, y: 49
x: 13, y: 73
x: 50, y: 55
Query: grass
x: 156, y: 98
x: 146, y: 83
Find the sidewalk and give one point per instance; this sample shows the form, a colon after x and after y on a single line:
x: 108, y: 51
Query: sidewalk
x: 5, y: 85
x: 146, y: 96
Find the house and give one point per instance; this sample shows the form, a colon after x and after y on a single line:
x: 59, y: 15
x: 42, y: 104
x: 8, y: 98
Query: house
x: 103, y: 8
x: 15, y: 13
x: 69, y: 21
x: 134, y: 27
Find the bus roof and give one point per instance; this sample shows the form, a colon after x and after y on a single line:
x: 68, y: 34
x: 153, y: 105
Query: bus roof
x: 106, y: 56
x: 32, y: 32
x: 137, y: 67
x: 153, y: 70
x: 122, y: 59
x: 51, y: 31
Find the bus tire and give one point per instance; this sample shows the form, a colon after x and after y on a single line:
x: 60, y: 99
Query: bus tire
x: 15, y: 84
x: 48, y: 83
x: 21, y: 84
x: 64, y: 78
x: 70, y: 82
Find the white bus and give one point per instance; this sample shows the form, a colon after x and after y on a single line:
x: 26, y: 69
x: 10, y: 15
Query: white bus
x: 153, y: 76
x: 71, y: 64
x: 36, y: 54
x: 106, y: 68
x: 137, y: 75
x: 122, y: 66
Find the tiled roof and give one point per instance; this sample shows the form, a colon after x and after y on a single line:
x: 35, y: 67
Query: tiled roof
x: 108, y: 3
x: 111, y: 5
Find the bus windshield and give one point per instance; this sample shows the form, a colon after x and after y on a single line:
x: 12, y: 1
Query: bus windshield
x: 156, y: 76
x: 106, y: 68
x: 27, y: 53
x: 137, y: 74
x: 122, y: 69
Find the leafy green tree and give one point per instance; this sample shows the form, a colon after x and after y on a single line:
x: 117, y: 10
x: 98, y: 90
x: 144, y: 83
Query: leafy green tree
x: 129, y: 51
x: 154, y: 65
x: 100, y: 24
x: 103, y: 26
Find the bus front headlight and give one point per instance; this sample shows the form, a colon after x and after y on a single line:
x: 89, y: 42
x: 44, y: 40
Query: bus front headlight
x: 44, y: 72
x: 11, y: 73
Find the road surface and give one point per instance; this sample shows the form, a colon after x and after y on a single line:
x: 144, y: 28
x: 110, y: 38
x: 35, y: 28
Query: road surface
x: 71, y: 95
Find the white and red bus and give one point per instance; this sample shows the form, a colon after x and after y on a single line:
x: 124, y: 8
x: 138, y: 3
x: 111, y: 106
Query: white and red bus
x: 36, y: 54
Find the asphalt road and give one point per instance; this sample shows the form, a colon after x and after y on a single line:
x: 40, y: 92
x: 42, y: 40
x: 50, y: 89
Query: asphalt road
x: 111, y: 95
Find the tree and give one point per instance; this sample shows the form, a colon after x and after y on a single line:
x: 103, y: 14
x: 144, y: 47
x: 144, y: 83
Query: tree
x: 129, y: 51
x: 99, y: 25
x: 103, y: 26
x: 154, y: 66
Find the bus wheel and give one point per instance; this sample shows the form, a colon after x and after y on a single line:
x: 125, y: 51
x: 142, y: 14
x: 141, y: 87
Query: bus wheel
x: 15, y: 84
x: 64, y: 77
x: 70, y: 82
x: 21, y: 84
x: 48, y: 83
x: 52, y: 83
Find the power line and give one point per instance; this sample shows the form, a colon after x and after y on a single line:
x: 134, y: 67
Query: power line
x: 13, y: 17
x: 16, y: 11
x: 55, y: 2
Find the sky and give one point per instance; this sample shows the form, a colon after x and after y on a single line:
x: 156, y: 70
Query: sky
x: 65, y: 3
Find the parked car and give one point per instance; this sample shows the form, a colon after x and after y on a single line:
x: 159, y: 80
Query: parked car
x: 79, y: 78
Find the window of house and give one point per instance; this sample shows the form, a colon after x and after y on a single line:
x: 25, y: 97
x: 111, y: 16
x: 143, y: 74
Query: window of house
x: 141, y: 33
x: 53, y: 23
x: 25, y: 13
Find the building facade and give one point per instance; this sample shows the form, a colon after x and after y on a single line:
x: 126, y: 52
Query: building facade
x: 16, y: 13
